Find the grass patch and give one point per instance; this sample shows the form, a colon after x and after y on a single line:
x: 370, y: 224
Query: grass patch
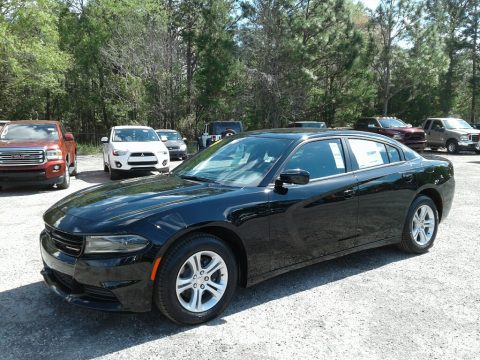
x: 88, y: 149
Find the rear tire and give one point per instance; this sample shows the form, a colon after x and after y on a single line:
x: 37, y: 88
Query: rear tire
x: 420, y: 227
x: 186, y: 290
x: 452, y: 146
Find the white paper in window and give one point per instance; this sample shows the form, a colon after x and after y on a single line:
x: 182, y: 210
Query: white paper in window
x: 337, y: 155
x: 366, y: 153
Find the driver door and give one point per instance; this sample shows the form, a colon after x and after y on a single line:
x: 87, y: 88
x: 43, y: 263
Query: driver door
x: 437, y: 133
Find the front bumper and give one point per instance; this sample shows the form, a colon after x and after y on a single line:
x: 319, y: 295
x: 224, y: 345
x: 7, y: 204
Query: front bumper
x: 148, y: 163
x: 416, y: 145
x: 177, y: 153
x: 119, y: 284
x: 469, y: 145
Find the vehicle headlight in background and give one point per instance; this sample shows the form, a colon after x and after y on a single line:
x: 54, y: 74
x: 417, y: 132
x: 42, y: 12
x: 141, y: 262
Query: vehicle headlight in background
x: 53, y: 154
x: 183, y: 147
x: 163, y: 152
x: 116, y: 152
x: 398, y: 137
x: 102, y: 244
x: 464, y: 138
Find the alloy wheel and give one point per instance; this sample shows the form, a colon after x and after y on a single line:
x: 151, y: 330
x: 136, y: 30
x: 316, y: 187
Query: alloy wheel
x: 201, y: 281
x: 423, y: 225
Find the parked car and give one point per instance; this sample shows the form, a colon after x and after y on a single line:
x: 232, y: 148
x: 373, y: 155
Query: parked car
x: 254, y: 206
x: 308, y: 124
x: 453, y: 134
x: 217, y: 130
x: 174, y: 142
x: 37, y: 152
x: 133, y: 148
x: 395, y: 128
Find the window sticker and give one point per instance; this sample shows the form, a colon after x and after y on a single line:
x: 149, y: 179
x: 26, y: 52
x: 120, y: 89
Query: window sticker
x: 366, y: 153
x: 337, y: 155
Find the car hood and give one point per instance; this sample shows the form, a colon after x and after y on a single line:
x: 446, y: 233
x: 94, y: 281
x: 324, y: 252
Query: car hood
x: 465, y: 131
x: 130, y: 200
x: 174, y: 142
x: 152, y: 146
x: 28, y: 143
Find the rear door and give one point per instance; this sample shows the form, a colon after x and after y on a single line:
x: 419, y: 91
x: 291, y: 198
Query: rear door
x: 319, y: 218
x: 385, y: 188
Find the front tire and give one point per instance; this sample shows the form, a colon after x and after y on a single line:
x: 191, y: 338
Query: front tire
x: 421, y: 226
x: 452, y: 146
x: 75, y: 167
x: 196, y: 280
x: 65, y: 184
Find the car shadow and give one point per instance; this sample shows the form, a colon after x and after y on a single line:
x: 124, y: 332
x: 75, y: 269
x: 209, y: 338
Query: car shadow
x: 37, y: 324
x: 93, y: 176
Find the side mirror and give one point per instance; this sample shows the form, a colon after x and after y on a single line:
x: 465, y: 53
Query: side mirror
x: 163, y: 138
x: 69, y: 137
x: 293, y: 176
x: 104, y: 140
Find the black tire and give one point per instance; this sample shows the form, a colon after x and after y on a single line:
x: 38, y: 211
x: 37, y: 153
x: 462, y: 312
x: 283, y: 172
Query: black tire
x: 65, y: 184
x: 452, y: 146
x: 433, y: 148
x: 165, y: 296
x: 477, y: 152
x: 75, y: 167
x: 114, y: 175
x: 408, y: 243
x: 105, y: 167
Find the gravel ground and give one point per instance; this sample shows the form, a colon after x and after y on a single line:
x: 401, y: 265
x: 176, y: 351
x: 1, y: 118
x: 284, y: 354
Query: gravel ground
x: 377, y: 304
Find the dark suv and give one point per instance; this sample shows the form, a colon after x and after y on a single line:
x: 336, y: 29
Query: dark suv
x: 394, y: 128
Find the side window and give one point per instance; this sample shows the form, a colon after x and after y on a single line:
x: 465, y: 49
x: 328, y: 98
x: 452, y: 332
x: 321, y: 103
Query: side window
x: 372, y: 124
x: 368, y: 153
x: 393, y: 154
x: 62, y: 129
x: 320, y: 158
x: 427, y: 125
x: 437, y: 124
x: 361, y: 124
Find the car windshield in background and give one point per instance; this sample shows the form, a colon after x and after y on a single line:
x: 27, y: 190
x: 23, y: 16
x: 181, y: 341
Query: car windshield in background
x: 238, y: 162
x: 29, y: 132
x: 313, y: 125
x: 170, y: 135
x: 457, y: 124
x: 220, y: 127
x: 392, y: 123
x: 135, y: 135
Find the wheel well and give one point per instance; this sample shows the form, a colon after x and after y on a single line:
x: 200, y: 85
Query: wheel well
x: 230, y: 238
x: 437, y: 199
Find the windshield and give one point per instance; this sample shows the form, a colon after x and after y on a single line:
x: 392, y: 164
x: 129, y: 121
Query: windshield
x: 238, y: 162
x: 170, y: 135
x: 220, y: 127
x: 457, y: 124
x: 315, y: 125
x: 134, y: 135
x: 392, y: 123
x: 29, y: 132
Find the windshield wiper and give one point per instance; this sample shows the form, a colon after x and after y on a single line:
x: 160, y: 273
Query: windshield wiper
x: 197, y: 178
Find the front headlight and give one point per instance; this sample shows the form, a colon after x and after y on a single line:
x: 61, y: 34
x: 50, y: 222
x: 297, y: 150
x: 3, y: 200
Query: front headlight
x: 54, y: 154
x: 397, y: 137
x: 119, y: 152
x: 102, y: 244
x: 464, y: 138
x: 183, y: 147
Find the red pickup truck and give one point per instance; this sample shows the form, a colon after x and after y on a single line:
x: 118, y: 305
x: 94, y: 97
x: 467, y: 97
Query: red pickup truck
x: 37, y: 152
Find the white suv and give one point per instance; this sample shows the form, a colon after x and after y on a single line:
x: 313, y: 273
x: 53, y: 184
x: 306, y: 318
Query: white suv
x: 134, y: 148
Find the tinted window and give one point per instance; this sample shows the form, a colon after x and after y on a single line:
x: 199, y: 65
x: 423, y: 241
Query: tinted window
x: 372, y: 123
x: 393, y: 153
x: 427, y: 124
x: 437, y: 124
x: 368, y: 153
x: 319, y: 158
x: 220, y: 127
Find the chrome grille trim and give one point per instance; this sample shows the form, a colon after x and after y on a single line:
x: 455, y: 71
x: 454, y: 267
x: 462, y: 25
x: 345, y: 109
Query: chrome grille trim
x: 22, y: 156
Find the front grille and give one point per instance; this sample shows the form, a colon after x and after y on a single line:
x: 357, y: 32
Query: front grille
x: 173, y: 147
x: 19, y: 157
x: 71, y: 285
x: 475, y: 138
x: 66, y: 243
x: 140, y: 163
x: 415, y: 136
x: 138, y: 154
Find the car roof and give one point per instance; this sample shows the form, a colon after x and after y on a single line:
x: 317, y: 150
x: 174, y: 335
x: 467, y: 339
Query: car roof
x: 33, y: 122
x: 310, y: 133
x: 444, y: 118
x: 131, y: 127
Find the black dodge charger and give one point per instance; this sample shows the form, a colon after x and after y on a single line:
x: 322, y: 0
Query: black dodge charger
x: 247, y: 208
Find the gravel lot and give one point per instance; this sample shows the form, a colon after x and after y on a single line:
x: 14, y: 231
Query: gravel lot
x: 377, y: 304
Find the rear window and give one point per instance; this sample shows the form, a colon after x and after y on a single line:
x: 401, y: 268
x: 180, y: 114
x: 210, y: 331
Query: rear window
x: 368, y: 153
x: 29, y: 132
x: 219, y: 127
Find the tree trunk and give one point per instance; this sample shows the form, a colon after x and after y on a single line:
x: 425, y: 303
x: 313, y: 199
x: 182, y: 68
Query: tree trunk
x: 474, y: 66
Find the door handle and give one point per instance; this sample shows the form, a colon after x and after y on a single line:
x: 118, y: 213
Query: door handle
x: 408, y: 177
x: 349, y: 193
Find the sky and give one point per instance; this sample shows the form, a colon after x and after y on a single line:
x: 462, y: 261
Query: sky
x: 372, y: 4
